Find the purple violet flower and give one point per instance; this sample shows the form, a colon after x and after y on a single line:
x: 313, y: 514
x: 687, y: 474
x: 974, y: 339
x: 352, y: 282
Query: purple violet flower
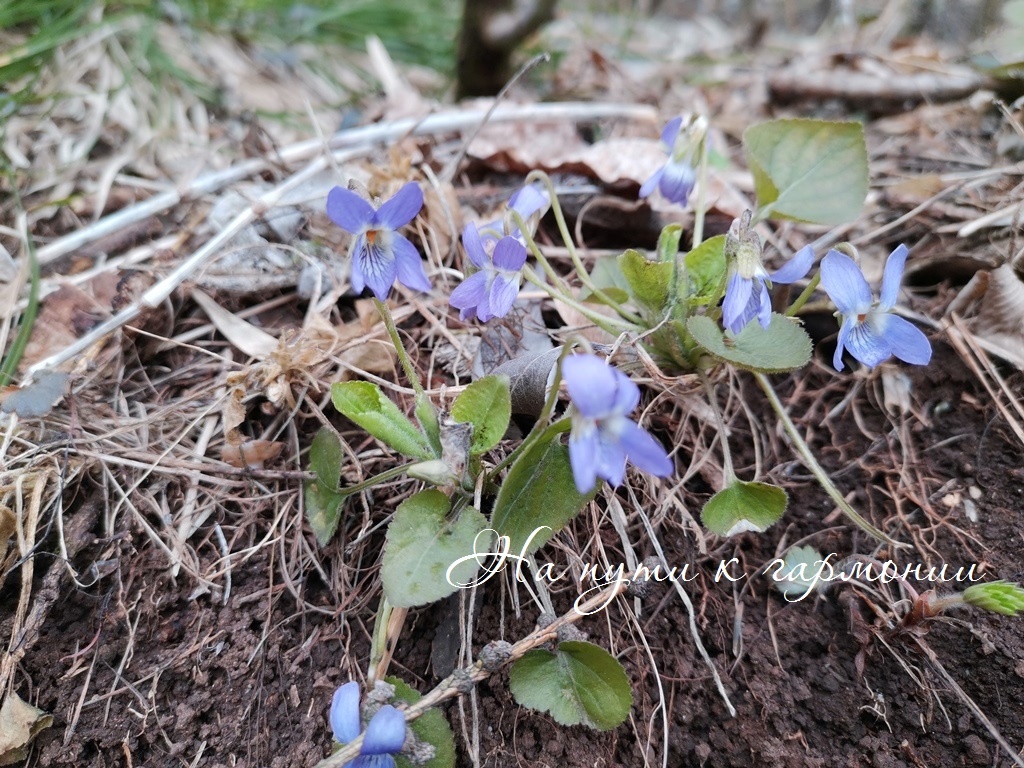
x: 385, y: 733
x: 746, y: 296
x: 676, y: 178
x: 379, y: 254
x: 528, y: 201
x: 602, y: 438
x: 492, y: 289
x: 869, y: 329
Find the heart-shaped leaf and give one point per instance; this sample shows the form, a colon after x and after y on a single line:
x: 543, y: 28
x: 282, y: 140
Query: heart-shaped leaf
x: 782, y: 346
x: 705, y: 271
x: 580, y: 683
x: 422, y: 545
x: 744, y: 507
x: 649, y: 281
x: 809, y: 170
x: 430, y: 727
x: 538, y: 497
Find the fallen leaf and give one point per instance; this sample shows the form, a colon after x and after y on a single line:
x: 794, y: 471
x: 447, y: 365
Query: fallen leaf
x: 245, y: 336
x: 64, y: 316
x: 253, y: 454
x: 232, y: 414
x: 19, y: 724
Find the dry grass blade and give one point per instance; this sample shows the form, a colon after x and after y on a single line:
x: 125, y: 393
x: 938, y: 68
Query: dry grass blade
x: 1006, y: 400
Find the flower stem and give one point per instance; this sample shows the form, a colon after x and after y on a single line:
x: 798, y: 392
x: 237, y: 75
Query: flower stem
x: 804, y: 296
x: 727, y: 468
x: 464, y: 679
x: 816, y: 469
x: 387, y: 474
x: 702, y: 184
x: 531, y: 244
x: 539, y: 431
x: 613, y: 325
x: 396, y: 340
x: 581, y: 270
x: 562, y: 425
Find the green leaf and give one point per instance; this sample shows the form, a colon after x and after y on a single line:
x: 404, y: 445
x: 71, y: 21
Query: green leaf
x: 322, y: 499
x: 607, y: 276
x: 363, y: 403
x: 325, y: 457
x: 426, y: 415
x: 616, y: 297
x: 809, y: 170
x: 782, y: 346
x: 705, y: 270
x: 648, y: 280
x: 323, y: 511
x: 539, y: 491
x: 486, y: 404
x: 580, y: 683
x: 423, y: 543
x: 744, y: 507
x: 998, y: 596
x: 668, y: 242
x: 431, y: 727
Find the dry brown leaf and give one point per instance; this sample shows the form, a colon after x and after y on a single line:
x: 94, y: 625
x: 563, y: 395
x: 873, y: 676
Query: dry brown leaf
x: 520, y: 147
x: 917, y: 189
x: 66, y: 314
x: 254, y: 454
x: 441, y: 220
x: 232, y: 414
x: 584, y: 326
x: 19, y: 724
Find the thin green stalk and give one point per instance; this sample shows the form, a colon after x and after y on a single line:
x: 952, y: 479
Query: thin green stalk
x: 403, y: 356
x: 384, y: 476
x: 538, y: 431
x: 562, y: 425
x: 804, y: 296
x: 535, y: 250
x: 563, y: 229
x: 612, y: 325
x: 816, y: 469
x: 702, y: 185
x: 727, y: 467
x: 28, y: 317
x: 379, y: 640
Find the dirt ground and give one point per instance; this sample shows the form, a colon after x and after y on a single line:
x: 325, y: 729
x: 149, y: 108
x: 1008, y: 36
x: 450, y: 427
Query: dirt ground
x: 204, y: 626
